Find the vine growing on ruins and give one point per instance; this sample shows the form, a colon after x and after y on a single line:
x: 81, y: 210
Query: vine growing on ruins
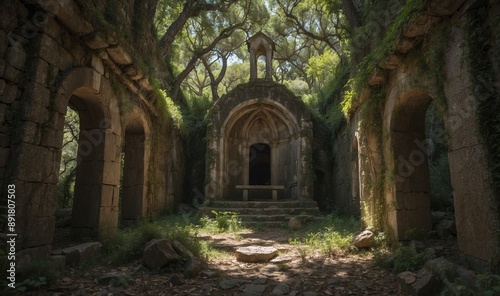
x: 361, y: 42
x: 372, y: 125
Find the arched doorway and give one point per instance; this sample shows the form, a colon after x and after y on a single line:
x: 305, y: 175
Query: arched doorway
x: 259, y: 168
x: 410, y: 211
x: 96, y: 189
x: 133, y: 171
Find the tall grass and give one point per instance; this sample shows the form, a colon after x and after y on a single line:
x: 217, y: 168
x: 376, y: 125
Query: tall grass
x: 332, y: 235
x: 128, y: 244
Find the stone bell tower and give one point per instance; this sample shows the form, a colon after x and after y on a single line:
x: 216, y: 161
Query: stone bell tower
x: 260, y: 45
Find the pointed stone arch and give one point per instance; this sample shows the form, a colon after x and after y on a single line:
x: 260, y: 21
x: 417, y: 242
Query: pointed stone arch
x: 95, y: 205
x: 258, y: 122
x: 409, y: 211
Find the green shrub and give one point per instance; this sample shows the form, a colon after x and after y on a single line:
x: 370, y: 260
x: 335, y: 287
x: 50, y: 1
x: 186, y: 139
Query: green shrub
x: 40, y: 273
x: 128, y: 244
x: 408, y: 259
x: 331, y: 235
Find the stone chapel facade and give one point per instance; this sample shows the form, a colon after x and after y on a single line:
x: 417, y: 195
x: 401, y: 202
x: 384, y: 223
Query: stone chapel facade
x: 259, y: 138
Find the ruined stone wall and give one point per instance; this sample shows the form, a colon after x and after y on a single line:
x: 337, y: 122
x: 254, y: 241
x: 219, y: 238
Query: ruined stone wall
x: 430, y: 63
x: 52, y: 57
x: 343, y: 196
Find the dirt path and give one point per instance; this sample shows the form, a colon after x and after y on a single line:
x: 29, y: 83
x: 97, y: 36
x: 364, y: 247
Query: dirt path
x: 293, y: 272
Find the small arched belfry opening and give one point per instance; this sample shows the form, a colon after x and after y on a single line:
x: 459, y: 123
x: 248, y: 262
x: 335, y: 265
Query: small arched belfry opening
x: 260, y: 45
x: 259, y: 139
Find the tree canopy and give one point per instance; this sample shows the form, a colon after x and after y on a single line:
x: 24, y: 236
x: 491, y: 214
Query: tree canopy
x: 203, y: 42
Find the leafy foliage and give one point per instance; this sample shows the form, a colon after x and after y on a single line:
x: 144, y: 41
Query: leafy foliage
x: 69, y: 158
x: 332, y: 235
x: 223, y: 222
x: 128, y: 244
x: 365, y: 43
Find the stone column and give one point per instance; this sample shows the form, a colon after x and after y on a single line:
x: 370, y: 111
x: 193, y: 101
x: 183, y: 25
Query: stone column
x: 253, y: 64
x: 269, y: 63
x: 274, y: 163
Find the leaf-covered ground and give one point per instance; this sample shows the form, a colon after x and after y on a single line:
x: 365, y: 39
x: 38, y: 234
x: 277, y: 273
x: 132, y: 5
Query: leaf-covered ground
x: 298, y: 270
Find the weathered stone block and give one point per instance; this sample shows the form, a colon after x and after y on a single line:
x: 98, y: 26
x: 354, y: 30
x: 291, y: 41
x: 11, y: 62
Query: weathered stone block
x: 8, y: 19
x: 111, y: 173
x: 419, y: 284
x: 54, y: 54
x: 254, y: 254
x: 29, y: 133
x: 158, y: 253
x: 52, y: 138
x: 3, y: 45
x: 391, y: 62
x: 60, y: 104
x: 377, y: 77
x: 52, y: 28
x: 2, y: 67
x: 2, y: 86
x: 80, y: 253
x: 119, y: 55
x: 410, y: 224
x: 405, y: 44
x: 9, y: 94
x: 16, y: 57
x: 4, y: 156
x: 110, y: 151
x: 134, y: 73
x: 96, y: 63
x: 470, y: 179
x: 365, y: 239
x: 4, y: 139
x: 27, y: 255
x: 40, y: 230
x: 96, y: 40
x: 43, y: 200
x: 41, y: 69
x: 444, y: 7
x: 415, y: 200
x: 35, y: 163
x: 417, y: 27
x: 11, y: 74
x: 107, y: 195
x: 69, y: 14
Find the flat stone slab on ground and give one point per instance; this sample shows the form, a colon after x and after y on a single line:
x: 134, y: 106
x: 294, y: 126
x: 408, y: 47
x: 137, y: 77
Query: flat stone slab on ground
x: 253, y: 254
x: 79, y: 253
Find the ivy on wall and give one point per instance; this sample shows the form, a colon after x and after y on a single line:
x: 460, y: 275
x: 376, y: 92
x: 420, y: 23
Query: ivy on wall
x: 382, y: 49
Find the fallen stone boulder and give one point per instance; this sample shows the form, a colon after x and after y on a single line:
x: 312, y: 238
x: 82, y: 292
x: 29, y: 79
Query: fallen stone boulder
x: 194, y: 266
x: 365, y: 239
x: 446, y: 228
x: 253, y: 254
x: 182, y: 250
x: 158, y: 253
x: 294, y: 223
x: 422, y: 283
x: 76, y: 254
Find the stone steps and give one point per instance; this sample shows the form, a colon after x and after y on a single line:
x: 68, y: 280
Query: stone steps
x: 269, y: 214
x: 266, y: 211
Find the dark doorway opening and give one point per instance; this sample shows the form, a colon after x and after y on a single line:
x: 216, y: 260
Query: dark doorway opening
x: 260, y: 164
